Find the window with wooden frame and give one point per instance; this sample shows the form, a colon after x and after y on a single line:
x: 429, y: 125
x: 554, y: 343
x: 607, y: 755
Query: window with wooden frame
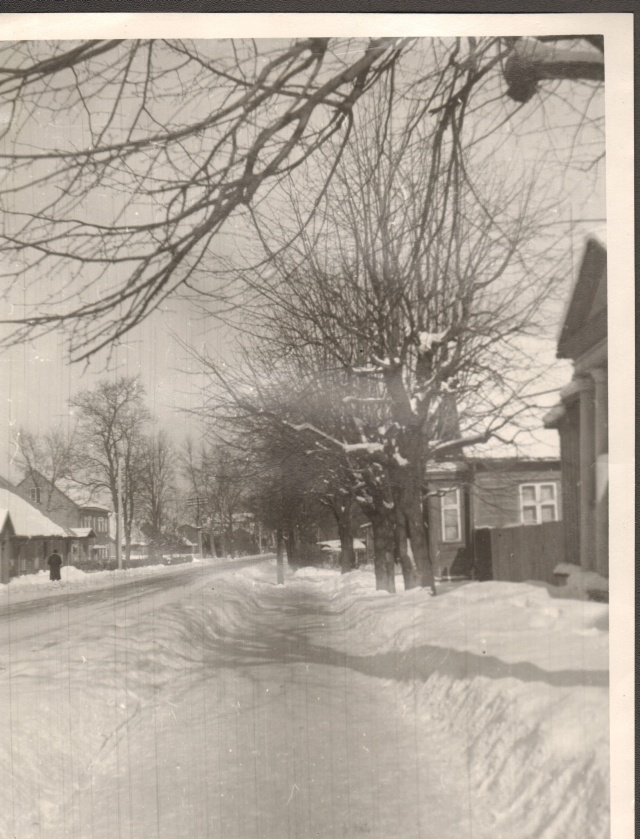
x: 450, y: 516
x: 34, y: 494
x: 538, y: 503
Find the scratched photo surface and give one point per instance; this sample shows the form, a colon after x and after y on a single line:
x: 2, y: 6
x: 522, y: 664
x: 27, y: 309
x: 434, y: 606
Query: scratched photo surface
x: 304, y: 467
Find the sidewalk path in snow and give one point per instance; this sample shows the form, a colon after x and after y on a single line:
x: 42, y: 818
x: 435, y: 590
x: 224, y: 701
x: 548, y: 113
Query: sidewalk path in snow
x: 174, y: 708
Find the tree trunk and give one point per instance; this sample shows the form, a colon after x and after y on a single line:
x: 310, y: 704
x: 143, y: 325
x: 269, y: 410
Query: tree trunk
x: 407, y: 483
x: 419, y: 543
x: 383, y: 551
x: 231, y: 538
x: 345, y: 532
x: 407, y: 563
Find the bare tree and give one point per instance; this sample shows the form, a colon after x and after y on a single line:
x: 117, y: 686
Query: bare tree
x: 51, y: 455
x: 153, y: 146
x: 218, y: 482
x: 413, y: 277
x: 157, y: 479
x: 227, y: 477
x: 293, y: 417
x: 112, y: 418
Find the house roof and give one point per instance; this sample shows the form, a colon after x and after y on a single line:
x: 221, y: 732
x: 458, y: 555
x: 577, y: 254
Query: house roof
x: 99, y: 507
x: 490, y: 464
x: 27, y: 520
x: 585, y: 320
x: 81, y: 496
x: 82, y: 532
x: 5, y: 519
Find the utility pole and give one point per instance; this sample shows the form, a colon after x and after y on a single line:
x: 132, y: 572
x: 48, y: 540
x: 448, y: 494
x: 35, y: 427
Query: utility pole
x: 280, y: 556
x: 199, y: 526
x: 119, y: 513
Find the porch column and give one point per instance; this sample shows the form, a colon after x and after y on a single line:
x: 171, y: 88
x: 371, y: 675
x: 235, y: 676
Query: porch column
x: 599, y: 375
x: 587, y: 473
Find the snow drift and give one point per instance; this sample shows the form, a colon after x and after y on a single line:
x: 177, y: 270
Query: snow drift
x: 509, y: 678
x: 519, y: 676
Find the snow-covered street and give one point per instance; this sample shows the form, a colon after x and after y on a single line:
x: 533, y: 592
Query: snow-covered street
x: 206, y: 701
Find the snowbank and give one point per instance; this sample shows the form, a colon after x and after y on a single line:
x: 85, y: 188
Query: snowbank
x: 72, y: 575
x: 512, y: 680
x: 31, y: 586
x: 520, y: 676
x: 580, y: 583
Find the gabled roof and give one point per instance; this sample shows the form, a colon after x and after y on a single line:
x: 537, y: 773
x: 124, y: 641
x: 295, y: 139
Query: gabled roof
x: 27, y: 520
x: 78, y: 494
x: 585, y: 321
x: 4, y: 484
x: 81, y: 495
x: 5, y: 522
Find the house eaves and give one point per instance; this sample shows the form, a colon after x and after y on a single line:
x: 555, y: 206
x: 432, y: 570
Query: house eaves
x: 28, y: 522
x: 83, y: 532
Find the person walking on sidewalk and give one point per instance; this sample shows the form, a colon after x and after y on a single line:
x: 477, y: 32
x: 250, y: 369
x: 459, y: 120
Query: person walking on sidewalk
x: 54, y: 562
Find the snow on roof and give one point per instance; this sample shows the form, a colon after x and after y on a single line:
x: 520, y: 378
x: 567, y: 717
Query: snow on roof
x: 80, y: 495
x: 334, y: 544
x: 27, y: 520
x: 82, y: 532
x: 446, y: 466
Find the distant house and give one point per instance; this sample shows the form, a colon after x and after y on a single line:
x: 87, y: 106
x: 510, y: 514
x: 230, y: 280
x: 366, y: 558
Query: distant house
x: 70, y: 506
x: 468, y: 494
x: 191, y: 536
x: 141, y: 543
x: 581, y: 417
x: 27, y: 536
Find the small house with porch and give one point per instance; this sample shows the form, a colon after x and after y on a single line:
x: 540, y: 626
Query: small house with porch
x: 28, y: 537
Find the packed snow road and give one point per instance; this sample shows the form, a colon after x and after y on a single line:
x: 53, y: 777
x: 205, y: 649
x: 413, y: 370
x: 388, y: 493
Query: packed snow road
x: 209, y: 702
x: 30, y: 611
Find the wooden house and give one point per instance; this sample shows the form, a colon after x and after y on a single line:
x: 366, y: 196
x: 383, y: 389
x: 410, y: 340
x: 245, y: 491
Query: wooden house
x: 581, y: 417
x: 73, y: 508
x: 28, y: 537
x: 466, y: 495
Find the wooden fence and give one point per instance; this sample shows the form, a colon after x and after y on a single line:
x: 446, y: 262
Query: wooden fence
x: 515, y: 554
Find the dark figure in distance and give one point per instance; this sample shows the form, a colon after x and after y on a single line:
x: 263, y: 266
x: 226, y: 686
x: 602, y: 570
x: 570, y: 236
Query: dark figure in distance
x: 54, y: 562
